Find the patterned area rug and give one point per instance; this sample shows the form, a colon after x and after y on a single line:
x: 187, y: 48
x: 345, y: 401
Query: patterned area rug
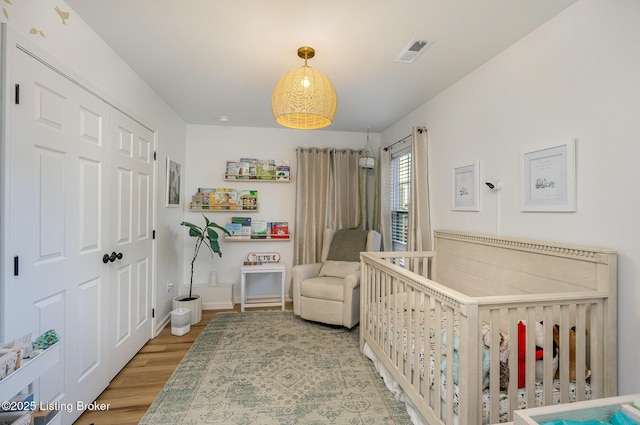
x: 272, y: 367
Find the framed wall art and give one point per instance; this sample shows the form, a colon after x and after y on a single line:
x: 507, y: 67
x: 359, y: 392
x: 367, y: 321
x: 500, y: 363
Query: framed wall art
x: 174, y: 175
x: 549, y: 178
x: 465, y: 188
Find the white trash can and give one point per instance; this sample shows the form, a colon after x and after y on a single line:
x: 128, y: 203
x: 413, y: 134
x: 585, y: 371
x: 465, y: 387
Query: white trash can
x: 180, y: 321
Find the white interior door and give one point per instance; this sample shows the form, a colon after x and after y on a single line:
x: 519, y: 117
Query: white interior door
x: 131, y: 224
x: 58, y: 226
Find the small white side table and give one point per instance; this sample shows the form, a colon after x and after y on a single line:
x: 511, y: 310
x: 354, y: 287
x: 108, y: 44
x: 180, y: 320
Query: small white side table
x: 261, y: 268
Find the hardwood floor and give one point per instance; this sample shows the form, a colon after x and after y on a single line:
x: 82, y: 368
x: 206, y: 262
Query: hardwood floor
x: 133, y: 390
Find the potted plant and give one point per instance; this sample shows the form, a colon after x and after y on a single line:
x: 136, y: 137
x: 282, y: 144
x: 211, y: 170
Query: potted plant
x: 207, y: 236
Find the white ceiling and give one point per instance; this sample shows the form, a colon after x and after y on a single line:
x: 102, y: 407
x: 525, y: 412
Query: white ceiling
x: 212, y: 58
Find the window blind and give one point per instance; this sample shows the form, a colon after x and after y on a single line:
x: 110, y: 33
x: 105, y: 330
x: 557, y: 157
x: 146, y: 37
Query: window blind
x: 400, y: 184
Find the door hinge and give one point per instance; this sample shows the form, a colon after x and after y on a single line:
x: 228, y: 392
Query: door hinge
x: 16, y: 263
x: 17, y: 94
x: 153, y: 234
x: 155, y: 156
x: 153, y: 313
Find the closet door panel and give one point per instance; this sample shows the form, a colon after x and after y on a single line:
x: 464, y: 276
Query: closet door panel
x: 51, y: 198
x: 132, y: 220
x: 90, y: 206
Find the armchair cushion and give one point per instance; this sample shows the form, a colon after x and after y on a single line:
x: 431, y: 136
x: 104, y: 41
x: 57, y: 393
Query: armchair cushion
x: 347, y: 244
x: 339, y: 268
x: 324, y: 288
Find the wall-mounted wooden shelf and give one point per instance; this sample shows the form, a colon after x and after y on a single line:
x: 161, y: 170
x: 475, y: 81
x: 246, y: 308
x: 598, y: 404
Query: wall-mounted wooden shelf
x: 261, y: 239
x: 29, y: 371
x: 223, y: 208
x: 253, y: 179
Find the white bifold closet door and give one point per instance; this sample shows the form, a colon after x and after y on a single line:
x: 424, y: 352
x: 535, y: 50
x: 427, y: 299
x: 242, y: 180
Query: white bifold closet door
x: 80, y: 190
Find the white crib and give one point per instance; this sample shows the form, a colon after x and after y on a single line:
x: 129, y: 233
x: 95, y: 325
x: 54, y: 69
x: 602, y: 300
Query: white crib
x: 458, y: 314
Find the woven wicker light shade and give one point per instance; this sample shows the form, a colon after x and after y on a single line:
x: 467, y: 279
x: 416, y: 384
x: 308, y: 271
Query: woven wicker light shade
x: 304, y: 98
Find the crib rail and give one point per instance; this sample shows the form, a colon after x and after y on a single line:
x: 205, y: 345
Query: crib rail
x: 428, y: 335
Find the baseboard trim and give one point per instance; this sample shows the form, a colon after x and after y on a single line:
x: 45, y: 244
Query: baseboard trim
x: 162, y: 323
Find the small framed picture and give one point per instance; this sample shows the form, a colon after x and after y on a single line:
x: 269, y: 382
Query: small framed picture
x: 174, y: 174
x: 465, y: 187
x: 549, y: 178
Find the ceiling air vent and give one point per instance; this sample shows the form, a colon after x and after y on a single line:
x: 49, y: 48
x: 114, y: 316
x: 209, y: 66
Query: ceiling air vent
x: 413, y: 50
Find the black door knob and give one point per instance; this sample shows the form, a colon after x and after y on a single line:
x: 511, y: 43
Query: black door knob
x: 106, y: 257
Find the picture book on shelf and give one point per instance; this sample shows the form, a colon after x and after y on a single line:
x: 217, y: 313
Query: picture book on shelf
x: 235, y: 229
x: 278, y: 230
x: 259, y: 229
x: 245, y: 225
x: 224, y: 198
x: 207, y: 195
x: 248, y: 199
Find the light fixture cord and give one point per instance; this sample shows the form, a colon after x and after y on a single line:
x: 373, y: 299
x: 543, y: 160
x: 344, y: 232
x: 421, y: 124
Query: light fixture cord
x: 364, y: 204
x: 367, y: 145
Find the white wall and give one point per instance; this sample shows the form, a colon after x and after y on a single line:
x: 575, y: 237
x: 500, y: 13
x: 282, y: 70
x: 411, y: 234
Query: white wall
x: 78, y: 48
x: 577, y: 76
x: 208, y: 149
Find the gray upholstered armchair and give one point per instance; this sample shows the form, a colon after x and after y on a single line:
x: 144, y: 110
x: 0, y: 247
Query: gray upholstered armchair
x: 329, y: 292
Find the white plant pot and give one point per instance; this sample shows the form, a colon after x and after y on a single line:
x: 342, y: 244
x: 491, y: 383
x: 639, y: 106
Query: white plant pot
x: 194, y: 305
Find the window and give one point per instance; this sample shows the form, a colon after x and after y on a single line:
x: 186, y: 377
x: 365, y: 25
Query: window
x: 400, y: 190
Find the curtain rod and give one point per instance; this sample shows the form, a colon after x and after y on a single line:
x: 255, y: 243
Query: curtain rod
x: 399, y: 141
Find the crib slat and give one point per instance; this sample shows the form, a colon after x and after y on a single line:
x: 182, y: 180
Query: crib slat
x: 547, y: 355
x: 437, y: 354
x: 494, y: 367
x: 581, y: 350
x: 451, y: 342
x: 563, y: 360
x: 597, y: 356
x: 416, y: 371
x: 513, y: 362
x: 530, y: 355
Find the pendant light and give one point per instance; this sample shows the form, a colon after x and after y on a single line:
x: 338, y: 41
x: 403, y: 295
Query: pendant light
x: 367, y: 161
x: 304, y: 98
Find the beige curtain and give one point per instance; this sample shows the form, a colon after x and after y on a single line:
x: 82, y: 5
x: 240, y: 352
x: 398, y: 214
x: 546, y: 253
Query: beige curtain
x: 419, y: 232
x: 330, y: 192
x: 384, y: 199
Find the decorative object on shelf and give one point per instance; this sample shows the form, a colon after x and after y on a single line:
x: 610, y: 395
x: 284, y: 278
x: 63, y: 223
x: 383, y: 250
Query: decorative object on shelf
x: 224, y: 199
x: 23, y: 344
x: 304, y: 98
x: 46, y: 340
x: 174, y: 174
x: 258, y: 169
x: 208, y: 236
x: 9, y: 362
x: 367, y: 160
x: 263, y: 257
